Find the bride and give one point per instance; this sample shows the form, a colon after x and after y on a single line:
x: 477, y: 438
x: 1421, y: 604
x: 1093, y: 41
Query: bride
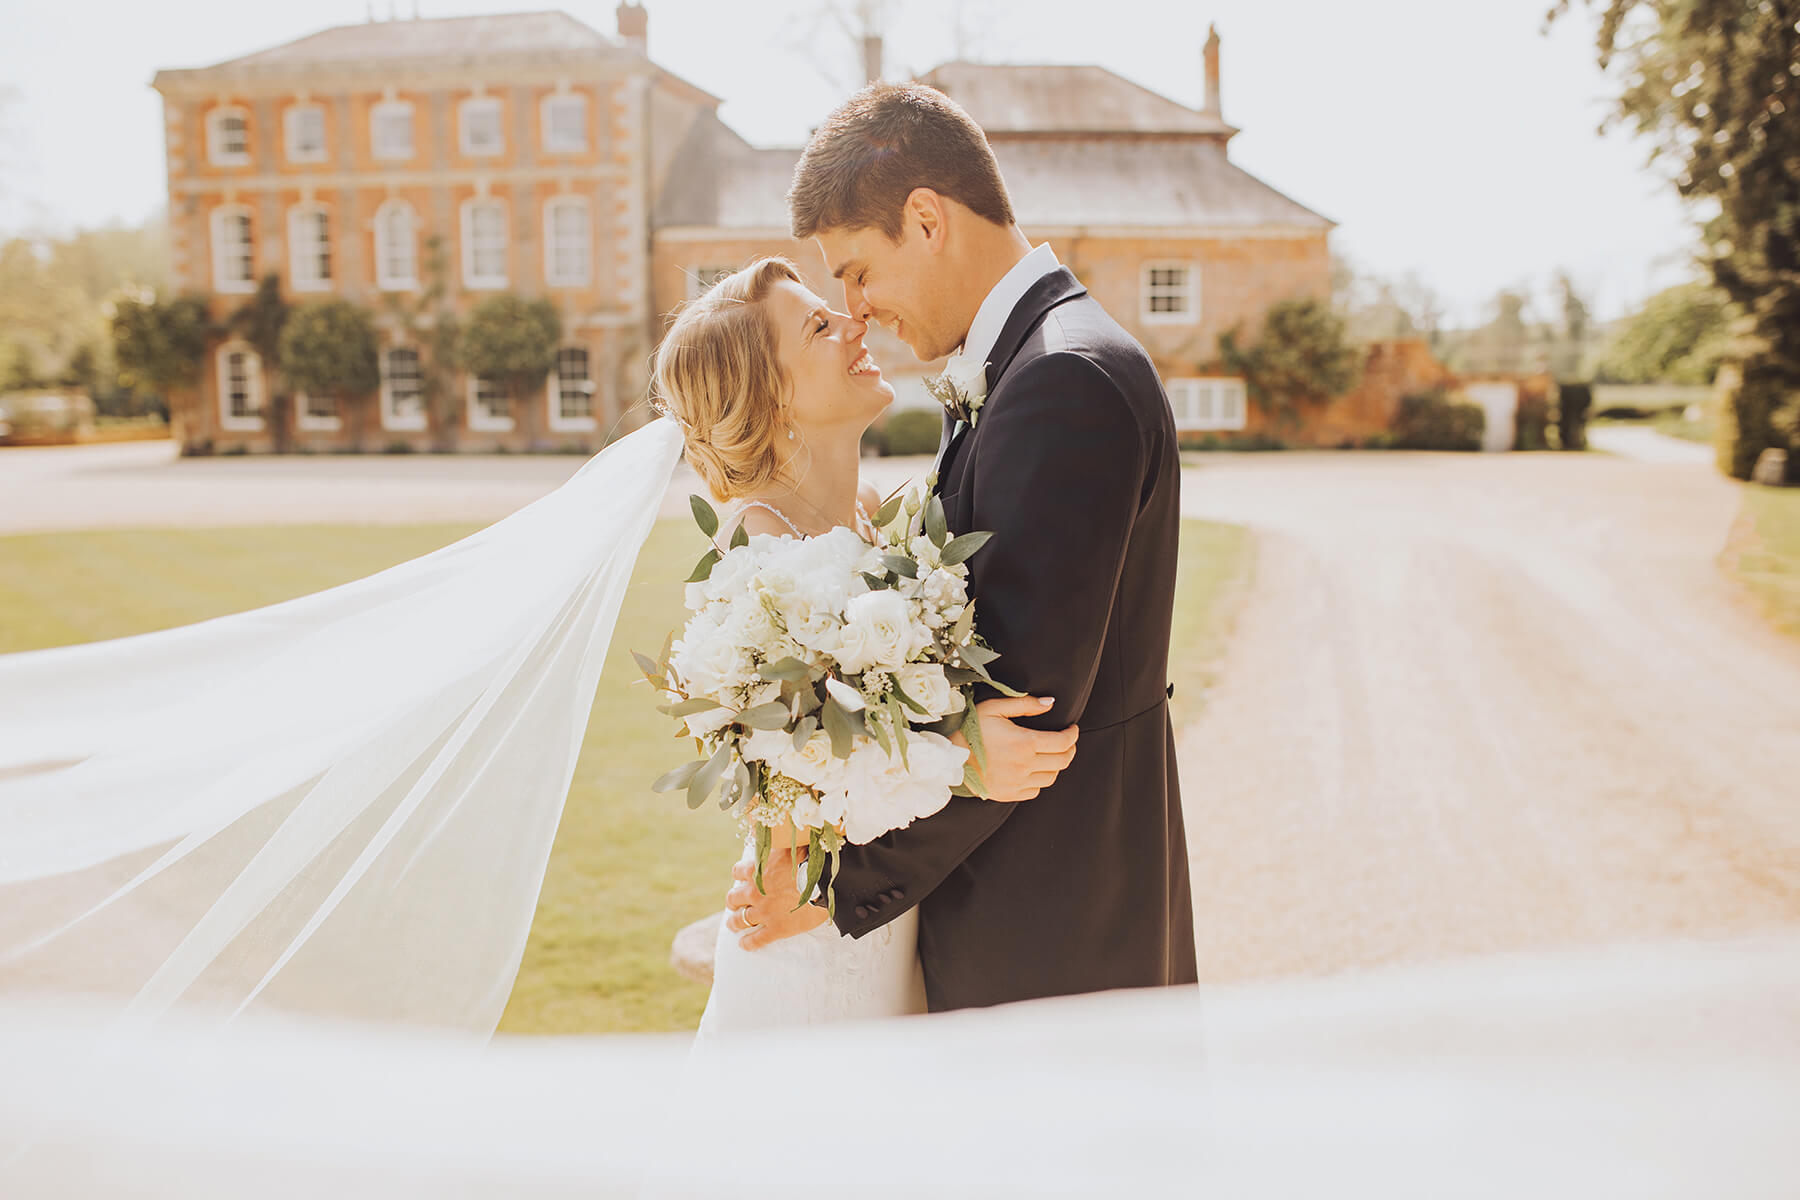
x: 773, y: 392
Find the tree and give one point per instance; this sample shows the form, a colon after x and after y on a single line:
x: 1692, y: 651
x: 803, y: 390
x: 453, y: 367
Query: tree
x: 17, y: 371
x: 1714, y: 84
x: 1303, y: 356
x: 328, y: 348
x: 159, y: 344
x: 429, y: 320
x: 1680, y: 335
x: 259, y: 321
x: 513, y: 342
x: 1570, y: 346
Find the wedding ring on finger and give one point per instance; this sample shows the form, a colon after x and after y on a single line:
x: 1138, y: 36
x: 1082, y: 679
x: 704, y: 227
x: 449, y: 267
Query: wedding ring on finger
x: 744, y: 916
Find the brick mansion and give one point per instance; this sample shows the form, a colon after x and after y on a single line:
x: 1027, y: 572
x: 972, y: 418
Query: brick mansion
x: 452, y: 159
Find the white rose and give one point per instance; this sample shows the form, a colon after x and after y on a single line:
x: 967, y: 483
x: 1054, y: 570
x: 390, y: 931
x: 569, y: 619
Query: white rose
x: 967, y: 375
x: 709, y: 664
x: 926, y: 685
x: 887, y: 636
x: 766, y: 745
x: 703, y: 724
x: 750, y: 623
x: 813, y: 764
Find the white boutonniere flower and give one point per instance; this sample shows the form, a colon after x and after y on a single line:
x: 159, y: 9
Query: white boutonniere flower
x: 962, y: 388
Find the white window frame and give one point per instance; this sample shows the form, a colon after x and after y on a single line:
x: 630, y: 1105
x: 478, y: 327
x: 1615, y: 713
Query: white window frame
x: 700, y: 279
x: 585, y: 275
x: 290, y: 126
x: 310, y: 422
x: 480, y: 420
x: 387, y: 150
x: 384, y: 247
x: 216, y: 153
x: 471, y: 280
x: 306, y: 256
x: 553, y: 389
x: 391, y: 419
x: 221, y: 281
x: 483, y: 105
x: 1209, y: 403
x: 1188, y: 293
x: 253, y: 387
x: 547, y: 126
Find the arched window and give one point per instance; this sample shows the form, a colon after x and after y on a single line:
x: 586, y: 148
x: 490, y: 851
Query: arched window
x: 233, y: 251
x: 240, y: 387
x: 568, y: 242
x: 396, y: 247
x: 309, y: 247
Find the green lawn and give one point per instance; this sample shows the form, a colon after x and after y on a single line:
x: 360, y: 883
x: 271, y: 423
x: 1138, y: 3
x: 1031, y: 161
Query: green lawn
x: 629, y: 867
x: 1768, y: 552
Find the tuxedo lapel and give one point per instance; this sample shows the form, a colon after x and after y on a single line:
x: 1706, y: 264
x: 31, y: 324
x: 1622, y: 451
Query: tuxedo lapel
x: 1053, y: 289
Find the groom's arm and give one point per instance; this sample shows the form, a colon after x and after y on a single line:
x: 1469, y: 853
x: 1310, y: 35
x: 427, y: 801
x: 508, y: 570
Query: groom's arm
x: 1060, y: 464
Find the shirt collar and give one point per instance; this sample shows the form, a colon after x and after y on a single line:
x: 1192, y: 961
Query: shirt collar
x: 991, y: 317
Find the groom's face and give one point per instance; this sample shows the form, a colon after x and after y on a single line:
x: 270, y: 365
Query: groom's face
x: 891, y: 284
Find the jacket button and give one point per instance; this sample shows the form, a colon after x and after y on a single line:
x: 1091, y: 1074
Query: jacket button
x: 862, y: 910
x: 896, y: 894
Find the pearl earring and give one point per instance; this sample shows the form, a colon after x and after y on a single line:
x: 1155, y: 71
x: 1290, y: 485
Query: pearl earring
x: 790, y: 434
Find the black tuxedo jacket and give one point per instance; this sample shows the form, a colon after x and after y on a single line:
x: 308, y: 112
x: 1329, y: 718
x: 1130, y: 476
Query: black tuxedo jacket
x: 1072, y: 463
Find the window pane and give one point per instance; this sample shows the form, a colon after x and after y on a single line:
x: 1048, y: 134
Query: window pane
x: 565, y: 121
x: 492, y: 400
x: 569, y: 242
x: 393, y: 131
x: 405, y: 395
x: 307, y: 130
x: 481, y: 127
x: 574, y: 390
x: 397, y: 246
x: 234, y: 136
x: 487, y: 241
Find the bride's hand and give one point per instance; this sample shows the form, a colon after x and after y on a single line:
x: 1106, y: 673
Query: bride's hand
x: 1021, y: 762
x: 768, y: 916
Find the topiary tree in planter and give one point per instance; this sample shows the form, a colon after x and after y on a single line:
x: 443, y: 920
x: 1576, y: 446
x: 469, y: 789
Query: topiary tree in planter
x: 513, y: 341
x: 328, y: 348
x: 1302, y: 357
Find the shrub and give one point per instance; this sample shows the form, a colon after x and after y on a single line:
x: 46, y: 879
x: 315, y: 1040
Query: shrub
x: 1573, y: 400
x: 1302, y: 358
x: 328, y: 348
x: 1531, y: 429
x: 1433, y: 421
x: 1755, y: 411
x: 398, y: 446
x: 912, y: 431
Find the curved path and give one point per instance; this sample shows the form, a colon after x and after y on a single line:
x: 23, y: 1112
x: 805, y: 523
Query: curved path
x: 1477, y: 703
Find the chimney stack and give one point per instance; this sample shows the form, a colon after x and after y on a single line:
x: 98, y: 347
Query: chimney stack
x: 634, y: 27
x: 1212, y: 71
x: 871, y: 57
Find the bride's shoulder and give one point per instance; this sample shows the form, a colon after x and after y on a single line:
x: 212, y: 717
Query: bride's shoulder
x: 755, y: 517
x: 869, y: 497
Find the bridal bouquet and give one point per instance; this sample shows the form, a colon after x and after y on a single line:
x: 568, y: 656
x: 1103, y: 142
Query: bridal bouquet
x: 820, y: 677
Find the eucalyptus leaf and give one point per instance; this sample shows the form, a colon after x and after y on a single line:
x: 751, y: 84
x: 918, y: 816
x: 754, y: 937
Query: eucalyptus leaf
x: 707, y: 777
x: 888, y: 511
x: 909, y: 701
x: 965, y: 624
x: 738, y: 537
x: 704, y: 516
x: 773, y: 715
x: 961, y: 676
x: 808, y: 700
x: 899, y: 564
x: 935, y: 526
x: 881, y: 737
x: 962, y: 547
x: 876, y: 582
x: 898, y: 716
x: 688, y: 708
x: 740, y: 782
x: 703, y: 568
x: 978, y: 655
x: 803, y: 732
x: 840, y: 727
x: 650, y: 669
x: 765, y: 837
x: 679, y: 777
x: 815, y: 868
x: 975, y: 772
x: 787, y: 669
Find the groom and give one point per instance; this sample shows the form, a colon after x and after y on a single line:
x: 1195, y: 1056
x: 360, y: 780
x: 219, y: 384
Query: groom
x: 1071, y: 460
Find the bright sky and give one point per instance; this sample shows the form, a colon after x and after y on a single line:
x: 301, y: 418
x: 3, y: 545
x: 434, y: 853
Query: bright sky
x: 1446, y: 138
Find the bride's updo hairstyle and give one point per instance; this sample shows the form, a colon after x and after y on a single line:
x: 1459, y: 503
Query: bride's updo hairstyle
x: 718, y: 375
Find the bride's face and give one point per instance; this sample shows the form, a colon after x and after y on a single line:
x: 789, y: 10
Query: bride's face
x: 836, y: 384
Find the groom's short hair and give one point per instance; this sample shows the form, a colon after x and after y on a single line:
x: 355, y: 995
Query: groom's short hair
x: 878, y: 146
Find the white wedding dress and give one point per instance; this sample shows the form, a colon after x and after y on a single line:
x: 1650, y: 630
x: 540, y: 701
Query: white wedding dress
x: 817, y: 976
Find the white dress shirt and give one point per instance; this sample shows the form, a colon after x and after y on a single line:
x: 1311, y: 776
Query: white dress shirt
x: 991, y: 317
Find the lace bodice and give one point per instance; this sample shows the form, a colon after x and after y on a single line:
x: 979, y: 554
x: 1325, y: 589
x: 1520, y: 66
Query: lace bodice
x: 865, y: 525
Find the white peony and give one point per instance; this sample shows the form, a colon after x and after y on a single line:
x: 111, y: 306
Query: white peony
x: 882, y: 793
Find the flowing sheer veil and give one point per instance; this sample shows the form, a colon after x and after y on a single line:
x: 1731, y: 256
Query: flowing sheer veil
x: 340, y: 805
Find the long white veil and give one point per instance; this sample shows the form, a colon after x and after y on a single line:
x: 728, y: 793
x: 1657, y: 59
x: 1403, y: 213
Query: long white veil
x: 339, y: 805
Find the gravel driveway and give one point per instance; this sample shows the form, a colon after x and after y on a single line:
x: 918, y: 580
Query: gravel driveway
x: 1477, y: 703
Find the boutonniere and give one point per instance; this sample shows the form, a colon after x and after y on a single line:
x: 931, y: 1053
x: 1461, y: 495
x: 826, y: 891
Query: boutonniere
x: 961, y: 389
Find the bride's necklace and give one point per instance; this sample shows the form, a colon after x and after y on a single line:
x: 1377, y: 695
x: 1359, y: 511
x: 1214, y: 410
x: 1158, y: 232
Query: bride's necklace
x: 864, y: 523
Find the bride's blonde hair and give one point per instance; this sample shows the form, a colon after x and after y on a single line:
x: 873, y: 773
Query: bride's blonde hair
x: 718, y: 374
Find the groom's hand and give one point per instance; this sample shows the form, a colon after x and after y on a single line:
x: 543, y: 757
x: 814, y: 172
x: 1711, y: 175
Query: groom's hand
x: 1021, y: 762
x: 765, y: 917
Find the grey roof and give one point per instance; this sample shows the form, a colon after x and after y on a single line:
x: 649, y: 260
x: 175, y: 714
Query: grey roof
x: 718, y: 179
x: 1011, y: 100
x: 423, y: 42
x: 1097, y: 181
x: 1152, y: 183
